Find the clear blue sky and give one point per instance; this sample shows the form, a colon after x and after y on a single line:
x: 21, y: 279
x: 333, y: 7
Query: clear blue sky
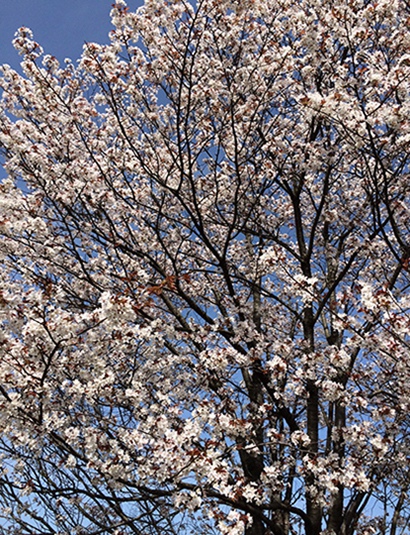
x: 60, y: 26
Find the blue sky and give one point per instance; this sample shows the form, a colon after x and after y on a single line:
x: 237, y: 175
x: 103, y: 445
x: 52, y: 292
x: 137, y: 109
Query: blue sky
x: 60, y: 26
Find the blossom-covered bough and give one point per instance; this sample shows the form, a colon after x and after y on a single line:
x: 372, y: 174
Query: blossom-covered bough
x: 204, y: 247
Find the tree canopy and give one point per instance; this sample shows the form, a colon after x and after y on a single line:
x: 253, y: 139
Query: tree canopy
x: 204, y: 284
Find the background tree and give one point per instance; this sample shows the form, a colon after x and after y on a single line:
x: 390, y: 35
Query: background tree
x: 204, y: 244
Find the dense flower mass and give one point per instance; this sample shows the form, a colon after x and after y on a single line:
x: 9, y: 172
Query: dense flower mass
x: 204, y: 284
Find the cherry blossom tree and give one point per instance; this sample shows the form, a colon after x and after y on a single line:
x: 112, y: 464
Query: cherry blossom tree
x: 204, y: 248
